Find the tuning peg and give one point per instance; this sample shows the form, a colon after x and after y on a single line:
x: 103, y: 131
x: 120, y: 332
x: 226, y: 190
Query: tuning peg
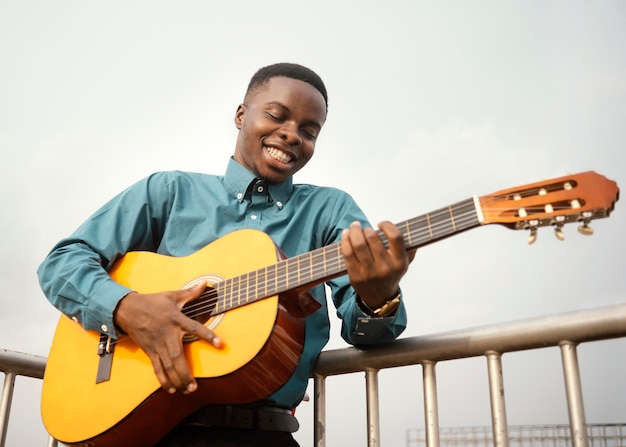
x: 533, y: 235
x: 585, y: 229
x: 558, y: 232
x: 558, y: 227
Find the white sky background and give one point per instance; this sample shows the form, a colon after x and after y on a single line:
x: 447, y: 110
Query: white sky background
x: 430, y: 103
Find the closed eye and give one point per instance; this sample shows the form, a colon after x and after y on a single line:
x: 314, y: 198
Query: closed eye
x: 273, y: 117
x: 311, y: 133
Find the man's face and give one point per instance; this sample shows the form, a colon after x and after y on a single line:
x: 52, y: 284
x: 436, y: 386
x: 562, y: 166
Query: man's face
x: 278, y: 127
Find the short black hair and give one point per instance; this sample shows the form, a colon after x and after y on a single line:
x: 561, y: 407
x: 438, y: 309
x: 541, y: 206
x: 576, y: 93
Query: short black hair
x: 288, y: 70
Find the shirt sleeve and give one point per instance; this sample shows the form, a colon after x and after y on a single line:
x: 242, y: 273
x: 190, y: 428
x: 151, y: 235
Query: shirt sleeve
x: 74, y: 276
x: 359, y: 328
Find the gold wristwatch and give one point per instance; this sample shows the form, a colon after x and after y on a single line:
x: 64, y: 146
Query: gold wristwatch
x: 385, y: 310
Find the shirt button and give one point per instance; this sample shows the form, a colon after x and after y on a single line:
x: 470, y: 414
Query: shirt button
x: 239, y: 196
x: 104, y: 328
x: 279, y: 204
x: 74, y: 319
x: 260, y: 188
x: 253, y: 217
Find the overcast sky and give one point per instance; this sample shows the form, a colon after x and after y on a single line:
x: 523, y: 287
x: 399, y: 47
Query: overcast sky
x: 429, y: 103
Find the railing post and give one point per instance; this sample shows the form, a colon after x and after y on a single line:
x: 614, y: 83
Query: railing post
x: 496, y: 392
x: 573, y: 390
x: 5, y: 405
x: 431, y: 409
x: 319, y: 410
x: 373, y: 410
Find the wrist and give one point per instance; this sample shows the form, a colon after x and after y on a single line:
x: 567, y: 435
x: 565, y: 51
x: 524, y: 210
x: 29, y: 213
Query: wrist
x: 118, y: 326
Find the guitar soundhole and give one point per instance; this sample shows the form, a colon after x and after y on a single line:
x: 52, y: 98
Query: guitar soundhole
x: 202, y: 309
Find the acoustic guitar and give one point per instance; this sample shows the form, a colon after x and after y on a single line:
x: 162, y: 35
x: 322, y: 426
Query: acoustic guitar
x: 103, y: 392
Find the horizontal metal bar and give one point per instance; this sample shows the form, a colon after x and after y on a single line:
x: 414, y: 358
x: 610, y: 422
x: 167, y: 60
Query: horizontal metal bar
x: 22, y: 364
x: 581, y: 326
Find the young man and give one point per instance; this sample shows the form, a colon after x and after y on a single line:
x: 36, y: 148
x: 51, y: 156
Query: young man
x: 178, y: 213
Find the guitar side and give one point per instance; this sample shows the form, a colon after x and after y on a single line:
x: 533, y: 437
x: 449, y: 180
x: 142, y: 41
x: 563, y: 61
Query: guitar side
x: 130, y: 409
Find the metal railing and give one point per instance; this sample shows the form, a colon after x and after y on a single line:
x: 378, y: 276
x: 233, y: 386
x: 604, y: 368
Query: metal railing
x: 599, y: 435
x: 14, y: 364
x: 566, y: 331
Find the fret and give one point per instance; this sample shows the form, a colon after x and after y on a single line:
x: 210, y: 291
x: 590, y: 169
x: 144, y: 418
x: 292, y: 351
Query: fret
x: 311, y: 264
x: 339, y: 258
x: 430, y: 230
x: 452, y: 218
x: 276, y: 279
x: 440, y: 224
x: 219, y: 305
x: 239, y: 283
x: 266, y: 281
x: 246, y: 295
x: 298, y: 269
x: 228, y: 295
x: 417, y: 225
x: 408, y: 238
x: 235, y: 291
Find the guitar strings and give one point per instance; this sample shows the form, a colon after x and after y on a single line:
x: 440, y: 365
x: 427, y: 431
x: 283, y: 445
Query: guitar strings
x: 320, y: 266
x: 317, y: 266
x: 320, y: 263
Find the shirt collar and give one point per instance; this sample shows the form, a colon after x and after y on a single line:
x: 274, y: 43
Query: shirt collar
x: 238, y: 179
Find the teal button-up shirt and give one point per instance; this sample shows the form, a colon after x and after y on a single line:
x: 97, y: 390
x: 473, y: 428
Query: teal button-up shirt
x: 177, y: 213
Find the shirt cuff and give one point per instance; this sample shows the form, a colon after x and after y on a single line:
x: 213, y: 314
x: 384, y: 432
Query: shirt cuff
x: 101, y: 308
x: 374, y: 330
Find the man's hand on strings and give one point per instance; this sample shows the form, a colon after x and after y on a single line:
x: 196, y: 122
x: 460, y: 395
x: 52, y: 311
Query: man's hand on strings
x: 155, y: 322
x: 374, y: 270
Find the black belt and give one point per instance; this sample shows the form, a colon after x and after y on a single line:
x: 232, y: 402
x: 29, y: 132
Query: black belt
x: 251, y: 418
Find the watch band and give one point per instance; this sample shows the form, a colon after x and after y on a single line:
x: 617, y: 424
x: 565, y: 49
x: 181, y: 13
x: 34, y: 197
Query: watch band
x: 388, y: 308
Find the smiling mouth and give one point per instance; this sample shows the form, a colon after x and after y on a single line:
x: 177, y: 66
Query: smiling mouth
x: 278, y: 155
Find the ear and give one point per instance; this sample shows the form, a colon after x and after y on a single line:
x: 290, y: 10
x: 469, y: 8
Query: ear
x: 240, y: 116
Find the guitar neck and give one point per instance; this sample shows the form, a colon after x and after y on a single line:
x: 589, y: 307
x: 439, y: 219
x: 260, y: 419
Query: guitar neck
x: 320, y: 265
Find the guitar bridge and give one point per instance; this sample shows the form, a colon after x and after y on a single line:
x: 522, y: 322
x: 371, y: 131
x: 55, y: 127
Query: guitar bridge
x: 105, y: 351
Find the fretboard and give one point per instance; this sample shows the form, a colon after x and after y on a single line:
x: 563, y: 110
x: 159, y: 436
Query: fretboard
x: 322, y: 264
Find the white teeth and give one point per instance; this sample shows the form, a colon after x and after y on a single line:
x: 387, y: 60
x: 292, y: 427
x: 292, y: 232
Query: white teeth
x: 278, y: 155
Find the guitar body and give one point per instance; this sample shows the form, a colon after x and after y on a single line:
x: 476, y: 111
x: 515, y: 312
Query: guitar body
x: 263, y: 343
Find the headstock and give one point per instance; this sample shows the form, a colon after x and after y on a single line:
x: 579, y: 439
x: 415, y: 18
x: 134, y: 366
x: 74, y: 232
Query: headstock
x: 574, y: 198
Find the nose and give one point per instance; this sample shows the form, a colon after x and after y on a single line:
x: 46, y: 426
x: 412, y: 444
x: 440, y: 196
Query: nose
x: 289, y: 133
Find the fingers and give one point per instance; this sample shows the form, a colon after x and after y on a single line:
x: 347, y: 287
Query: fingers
x: 374, y: 270
x: 397, y: 248
x: 194, y: 292
x: 200, y: 331
x: 157, y: 325
x: 170, y: 363
x: 191, y: 326
x: 171, y: 368
x: 366, y: 246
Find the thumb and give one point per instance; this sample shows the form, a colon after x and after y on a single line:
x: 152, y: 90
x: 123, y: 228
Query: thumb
x: 191, y: 293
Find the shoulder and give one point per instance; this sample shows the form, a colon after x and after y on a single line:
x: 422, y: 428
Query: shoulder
x: 176, y: 175
x: 179, y: 178
x: 329, y: 192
